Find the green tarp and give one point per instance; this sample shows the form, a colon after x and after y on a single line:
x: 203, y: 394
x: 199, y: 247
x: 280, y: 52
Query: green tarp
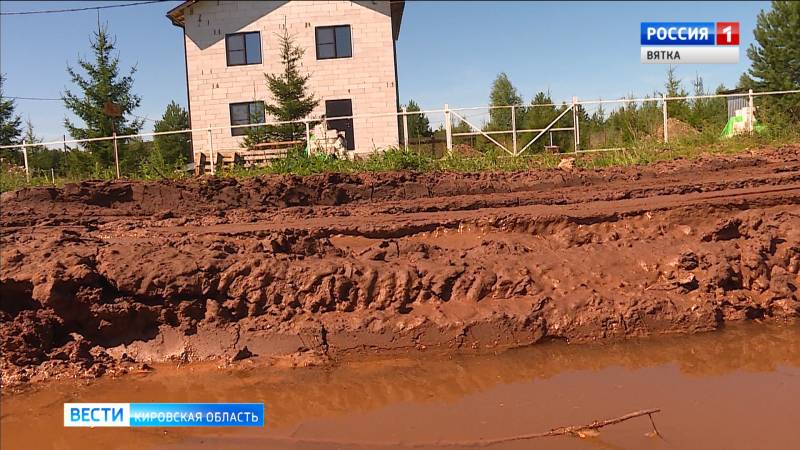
x: 728, y: 130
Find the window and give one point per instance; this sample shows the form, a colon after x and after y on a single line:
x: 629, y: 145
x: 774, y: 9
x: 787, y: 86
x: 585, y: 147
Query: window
x: 244, y: 113
x: 243, y: 48
x: 334, y: 42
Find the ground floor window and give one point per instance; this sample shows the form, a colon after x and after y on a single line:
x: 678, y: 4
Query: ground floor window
x: 244, y: 113
x: 341, y: 108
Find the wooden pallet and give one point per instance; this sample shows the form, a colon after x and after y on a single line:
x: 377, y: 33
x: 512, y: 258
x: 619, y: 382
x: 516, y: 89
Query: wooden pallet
x: 257, y: 155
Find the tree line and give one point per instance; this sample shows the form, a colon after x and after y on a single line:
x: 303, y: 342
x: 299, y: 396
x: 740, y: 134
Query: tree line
x: 103, y: 100
x: 775, y: 66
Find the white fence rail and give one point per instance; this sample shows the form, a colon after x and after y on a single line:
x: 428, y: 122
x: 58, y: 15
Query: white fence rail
x: 448, y: 115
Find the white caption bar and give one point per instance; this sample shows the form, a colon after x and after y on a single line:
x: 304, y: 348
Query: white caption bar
x: 676, y: 54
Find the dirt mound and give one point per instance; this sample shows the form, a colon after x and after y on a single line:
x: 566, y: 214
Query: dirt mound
x: 105, y: 277
x: 676, y: 129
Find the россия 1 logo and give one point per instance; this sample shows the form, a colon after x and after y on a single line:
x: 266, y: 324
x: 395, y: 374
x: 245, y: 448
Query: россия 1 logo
x: 689, y: 42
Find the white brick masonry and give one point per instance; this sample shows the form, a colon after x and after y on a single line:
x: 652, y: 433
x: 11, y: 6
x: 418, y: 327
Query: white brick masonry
x: 367, y: 78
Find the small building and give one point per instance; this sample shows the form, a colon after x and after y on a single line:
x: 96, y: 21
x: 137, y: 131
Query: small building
x: 349, y: 53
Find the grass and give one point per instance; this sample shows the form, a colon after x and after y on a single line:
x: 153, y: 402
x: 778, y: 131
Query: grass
x: 687, y: 148
x: 297, y: 163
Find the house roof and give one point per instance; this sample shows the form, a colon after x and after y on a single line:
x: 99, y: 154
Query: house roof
x: 176, y: 14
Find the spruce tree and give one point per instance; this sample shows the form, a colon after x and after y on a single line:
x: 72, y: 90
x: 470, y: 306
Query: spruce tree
x: 540, y: 116
x: 10, y: 126
x: 40, y: 157
x: 101, y: 85
x: 418, y: 124
x: 707, y: 112
x: 289, y: 94
x: 537, y: 116
x: 597, y: 132
x: 173, y: 148
x: 677, y: 109
x: 775, y: 60
x: 29, y: 136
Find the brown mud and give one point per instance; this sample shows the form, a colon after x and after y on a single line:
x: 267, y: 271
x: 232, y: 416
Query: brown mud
x: 733, y: 389
x: 107, y: 277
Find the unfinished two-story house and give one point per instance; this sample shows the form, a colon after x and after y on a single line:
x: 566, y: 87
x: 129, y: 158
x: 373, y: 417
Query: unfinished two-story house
x: 349, y: 54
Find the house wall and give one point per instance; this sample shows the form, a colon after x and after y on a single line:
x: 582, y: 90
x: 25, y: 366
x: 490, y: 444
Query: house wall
x: 367, y: 78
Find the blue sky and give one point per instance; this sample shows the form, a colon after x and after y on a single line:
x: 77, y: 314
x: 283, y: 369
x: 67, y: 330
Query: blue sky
x: 448, y: 52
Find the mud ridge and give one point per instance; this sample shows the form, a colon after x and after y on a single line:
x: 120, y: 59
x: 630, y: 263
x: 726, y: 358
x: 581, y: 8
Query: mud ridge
x: 107, y: 277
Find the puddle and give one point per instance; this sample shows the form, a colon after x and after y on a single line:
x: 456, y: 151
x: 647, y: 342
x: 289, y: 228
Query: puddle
x: 735, y: 389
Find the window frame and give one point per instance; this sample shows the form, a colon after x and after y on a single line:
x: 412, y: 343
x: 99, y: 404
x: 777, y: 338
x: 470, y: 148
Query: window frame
x: 244, y: 48
x: 242, y: 131
x: 335, y: 51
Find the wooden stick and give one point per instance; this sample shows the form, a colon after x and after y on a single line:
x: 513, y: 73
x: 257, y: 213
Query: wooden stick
x: 573, y: 430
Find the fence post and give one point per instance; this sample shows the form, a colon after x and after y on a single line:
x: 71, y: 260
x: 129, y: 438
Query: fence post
x: 308, y: 137
x: 575, y: 127
x: 25, y: 157
x: 116, y: 153
x: 664, y: 112
x: 211, y: 152
x: 752, y: 115
x: 514, y: 128
x: 448, y: 128
x: 65, y: 144
x: 405, y: 128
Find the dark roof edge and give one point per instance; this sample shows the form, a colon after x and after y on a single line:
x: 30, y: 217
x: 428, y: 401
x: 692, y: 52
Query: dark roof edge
x: 396, y: 7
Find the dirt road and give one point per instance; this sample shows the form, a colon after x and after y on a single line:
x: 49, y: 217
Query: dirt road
x: 104, y: 277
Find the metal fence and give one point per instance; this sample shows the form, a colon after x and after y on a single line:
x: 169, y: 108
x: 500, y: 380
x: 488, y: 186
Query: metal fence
x: 514, y: 141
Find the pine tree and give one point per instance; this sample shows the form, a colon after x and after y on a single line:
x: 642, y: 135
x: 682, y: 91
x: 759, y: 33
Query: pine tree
x: 462, y: 127
x: 542, y: 111
x: 290, y: 97
x: 173, y: 148
x: 101, y: 85
x: 631, y: 123
x: 503, y: 93
x: 537, y: 116
x: 678, y: 109
x: 707, y: 112
x: 597, y: 134
x: 29, y: 136
x: 775, y: 59
x: 418, y: 124
x: 598, y: 116
x: 40, y: 158
x: 10, y: 126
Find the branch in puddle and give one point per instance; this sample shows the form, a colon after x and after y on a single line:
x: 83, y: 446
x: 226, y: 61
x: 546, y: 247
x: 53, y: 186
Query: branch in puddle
x: 574, y: 430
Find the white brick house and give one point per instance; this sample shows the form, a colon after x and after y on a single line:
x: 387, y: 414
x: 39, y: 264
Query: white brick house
x: 349, y: 53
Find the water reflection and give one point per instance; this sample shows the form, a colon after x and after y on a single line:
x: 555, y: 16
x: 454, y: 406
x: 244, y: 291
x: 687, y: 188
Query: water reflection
x: 33, y: 419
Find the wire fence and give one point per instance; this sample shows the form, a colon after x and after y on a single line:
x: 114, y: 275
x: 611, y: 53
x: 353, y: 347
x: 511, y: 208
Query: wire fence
x: 513, y: 130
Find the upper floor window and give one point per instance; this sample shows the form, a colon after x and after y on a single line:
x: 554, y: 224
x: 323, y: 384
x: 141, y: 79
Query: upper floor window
x: 245, y: 113
x: 243, y: 48
x: 334, y: 42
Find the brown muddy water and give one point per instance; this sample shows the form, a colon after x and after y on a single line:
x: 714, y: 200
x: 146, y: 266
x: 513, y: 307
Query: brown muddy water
x: 733, y: 389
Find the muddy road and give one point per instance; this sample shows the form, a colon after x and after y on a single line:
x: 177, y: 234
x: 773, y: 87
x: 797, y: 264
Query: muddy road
x: 104, y: 277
